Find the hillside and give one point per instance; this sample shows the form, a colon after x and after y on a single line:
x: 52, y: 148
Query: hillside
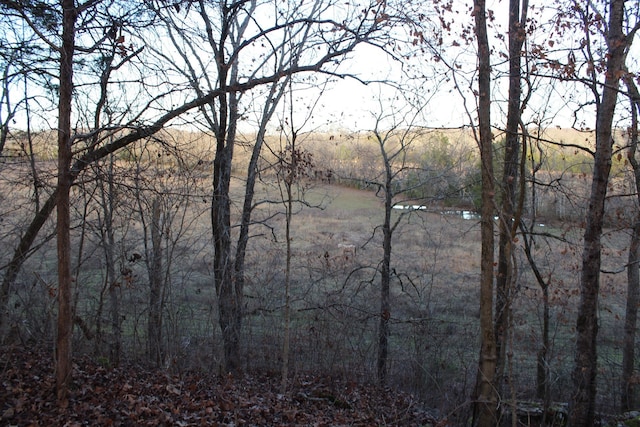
x: 133, y: 395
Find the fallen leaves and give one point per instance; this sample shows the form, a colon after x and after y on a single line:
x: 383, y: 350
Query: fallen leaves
x: 133, y: 395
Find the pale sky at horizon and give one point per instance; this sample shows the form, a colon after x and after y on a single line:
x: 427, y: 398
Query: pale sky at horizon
x: 349, y: 104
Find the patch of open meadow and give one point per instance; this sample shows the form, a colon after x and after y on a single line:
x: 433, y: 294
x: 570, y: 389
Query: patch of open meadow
x: 335, y: 287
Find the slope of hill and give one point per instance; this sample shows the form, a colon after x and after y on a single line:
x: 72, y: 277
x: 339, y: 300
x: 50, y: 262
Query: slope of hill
x: 133, y: 395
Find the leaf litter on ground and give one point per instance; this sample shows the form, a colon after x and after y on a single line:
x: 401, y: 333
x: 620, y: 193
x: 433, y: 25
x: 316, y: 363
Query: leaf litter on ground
x: 134, y: 395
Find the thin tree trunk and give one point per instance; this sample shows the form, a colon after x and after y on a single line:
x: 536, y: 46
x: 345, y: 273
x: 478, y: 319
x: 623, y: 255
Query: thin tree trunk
x: 543, y: 391
x: 287, y: 296
x: 111, y: 286
x: 385, y: 307
x: 63, y: 224
x: 627, y: 396
x: 507, y: 225
x: 115, y: 343
x: 4, y: 127
x: 485, y: 413
x: 289, y: 179
x: 542, y: 363
x: 275, y: 95
x: 385, y: 275
x: 155, y: 285
x: 543, y: 384
x: 583, y: 401
x: 32, y: 156
x: 228, y: 291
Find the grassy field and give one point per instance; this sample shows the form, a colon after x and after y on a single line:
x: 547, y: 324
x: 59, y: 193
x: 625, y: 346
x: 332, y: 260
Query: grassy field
x: 335, y: 289
x: 435, y: 300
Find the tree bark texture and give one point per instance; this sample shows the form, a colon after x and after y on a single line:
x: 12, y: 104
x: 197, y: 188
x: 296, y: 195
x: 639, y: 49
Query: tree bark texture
x: 228, y: 292
x: 627, y: 395
x: 485, y: 413
x: 583, y: 401
x: 385, y: 273
x: 508, y: 224
x: 63, y: 223
x: 156, y: 284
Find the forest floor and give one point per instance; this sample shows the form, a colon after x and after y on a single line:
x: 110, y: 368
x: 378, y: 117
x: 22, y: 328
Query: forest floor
x: 135, y: 395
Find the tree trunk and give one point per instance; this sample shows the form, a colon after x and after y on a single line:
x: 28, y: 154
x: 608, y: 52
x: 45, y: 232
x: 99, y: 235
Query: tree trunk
x: 627, y: 396
x: 154, y: 264
x: 228, y: 292
x: 63, y: 224
x: 290, y: 175
x: 275, y: 94
x: 508, y: 224
x: 385, y: 307
x: 582, y: 407
x: 542, y: 364
x: 543, y: 380
x: 486, y: 396
x: 111, y: 286
x: 115, y: 342
x: 542, y: 361
x: 385, y: 274
x: 287, y: 292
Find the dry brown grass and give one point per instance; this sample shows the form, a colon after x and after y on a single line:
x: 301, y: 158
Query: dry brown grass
x: 434, y: 319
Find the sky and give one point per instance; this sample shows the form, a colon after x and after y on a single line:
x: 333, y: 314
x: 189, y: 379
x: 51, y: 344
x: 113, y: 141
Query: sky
x: 552, y: 106
x: 350, y: 105
x: 356, y: 104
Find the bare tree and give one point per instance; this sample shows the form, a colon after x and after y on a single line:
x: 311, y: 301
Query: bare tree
x: 530, y: 241
x: 298, y: 33
x: 107, y: 231
x: 633, y: 269
x: 165, y: 188
x: 582, y: 408
x: 294, y: 165
x: 155, y: 268
x: 63, y: 225
x: 70, y: 13
x: 512, y: 197
x: 396, y: 130
x: 45, y: 20
x: 486, y: 390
